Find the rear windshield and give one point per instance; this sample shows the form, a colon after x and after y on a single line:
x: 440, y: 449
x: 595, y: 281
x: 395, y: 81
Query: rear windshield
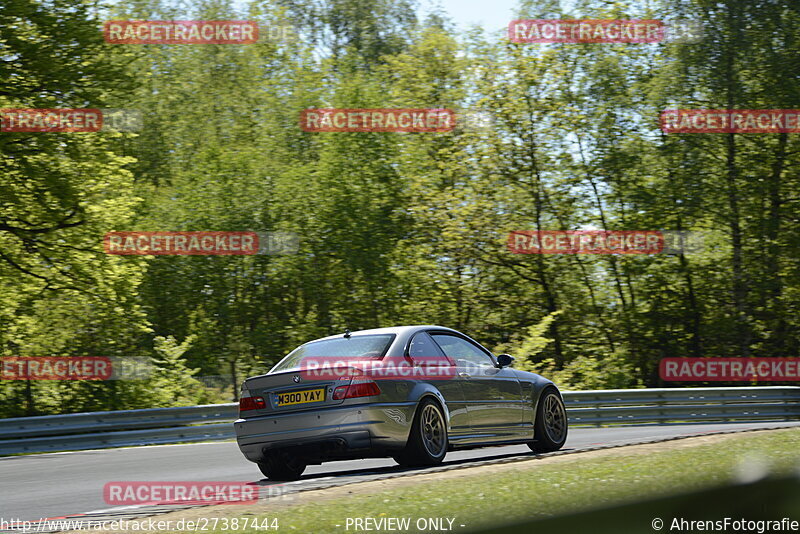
x: 355, y: 348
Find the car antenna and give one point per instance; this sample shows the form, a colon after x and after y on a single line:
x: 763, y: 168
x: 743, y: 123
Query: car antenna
x: 347, y: 333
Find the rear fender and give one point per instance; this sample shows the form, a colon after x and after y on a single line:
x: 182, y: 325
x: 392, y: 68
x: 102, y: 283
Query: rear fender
x: 422, y: 390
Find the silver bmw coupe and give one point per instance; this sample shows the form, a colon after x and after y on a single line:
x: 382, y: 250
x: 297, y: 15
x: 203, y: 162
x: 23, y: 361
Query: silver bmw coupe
x: 408, y: 392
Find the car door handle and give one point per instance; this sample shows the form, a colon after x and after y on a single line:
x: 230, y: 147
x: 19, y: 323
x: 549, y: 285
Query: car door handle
x: 463, y: 375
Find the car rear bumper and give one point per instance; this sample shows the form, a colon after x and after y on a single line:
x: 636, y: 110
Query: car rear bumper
x: 349, y: 431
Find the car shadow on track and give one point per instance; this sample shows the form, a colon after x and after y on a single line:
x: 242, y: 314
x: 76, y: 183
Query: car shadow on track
x: 388, y: 470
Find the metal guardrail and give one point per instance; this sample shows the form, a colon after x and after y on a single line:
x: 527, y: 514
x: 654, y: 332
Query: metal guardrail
x: 97, y: 430
x: 643, y: 406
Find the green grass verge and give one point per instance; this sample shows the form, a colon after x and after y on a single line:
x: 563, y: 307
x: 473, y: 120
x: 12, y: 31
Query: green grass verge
x: 487, y: 500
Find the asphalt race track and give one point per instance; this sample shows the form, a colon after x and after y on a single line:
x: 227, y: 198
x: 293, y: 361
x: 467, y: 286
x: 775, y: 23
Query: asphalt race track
x: 64, y: 484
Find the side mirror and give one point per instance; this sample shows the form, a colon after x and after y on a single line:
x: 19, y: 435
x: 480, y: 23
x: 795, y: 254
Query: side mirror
x: 504, y: 360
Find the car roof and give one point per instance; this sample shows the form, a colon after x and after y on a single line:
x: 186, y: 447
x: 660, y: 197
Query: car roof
x: 397, y: 330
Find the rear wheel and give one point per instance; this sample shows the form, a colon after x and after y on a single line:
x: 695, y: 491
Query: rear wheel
x: 550, y: 427
x: 282, y: 466
x: 427, y: 442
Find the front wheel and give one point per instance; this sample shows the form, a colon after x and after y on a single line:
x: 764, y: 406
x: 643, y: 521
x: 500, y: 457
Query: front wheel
x: 550, y: 427
x: 281, y: 467
x: 427, y: 442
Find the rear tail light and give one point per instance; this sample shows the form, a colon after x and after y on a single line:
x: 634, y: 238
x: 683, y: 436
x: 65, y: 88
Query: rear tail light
x: 251, y: 403
x: 361, y: 388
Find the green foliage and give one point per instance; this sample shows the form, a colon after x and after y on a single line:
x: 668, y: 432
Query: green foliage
x: 526, y: 346
x: 611, y: 371
x: 595, y: 371
x: 173, y: 382
x: 394, y: 228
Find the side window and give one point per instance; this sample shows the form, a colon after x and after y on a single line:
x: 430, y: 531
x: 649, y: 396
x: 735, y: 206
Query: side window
x: 462, y: 351
x: 424, y: 349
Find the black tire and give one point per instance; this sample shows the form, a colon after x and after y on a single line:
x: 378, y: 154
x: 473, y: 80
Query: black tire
x: 282, y: 467
x: 550, y: 427
x: 427, y: 441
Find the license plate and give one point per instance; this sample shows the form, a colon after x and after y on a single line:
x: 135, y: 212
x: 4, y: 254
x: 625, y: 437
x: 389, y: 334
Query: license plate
x: 301, y: 397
